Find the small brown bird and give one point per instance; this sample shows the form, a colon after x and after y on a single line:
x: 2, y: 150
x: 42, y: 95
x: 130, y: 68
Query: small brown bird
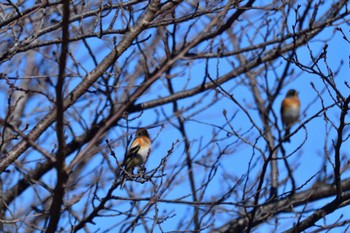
x: 290, y: 110
x: 137, y: 154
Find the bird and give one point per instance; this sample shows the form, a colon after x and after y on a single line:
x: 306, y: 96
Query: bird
x: 137, y: 154
x: 290, y: 110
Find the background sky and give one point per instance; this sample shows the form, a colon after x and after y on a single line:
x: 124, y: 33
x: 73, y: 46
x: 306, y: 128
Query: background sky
x: 203, y: 114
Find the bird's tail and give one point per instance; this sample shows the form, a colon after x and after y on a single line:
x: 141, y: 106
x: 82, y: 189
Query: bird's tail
x: 287, y: 139
x: 125, y: 176
x: 122, y: 182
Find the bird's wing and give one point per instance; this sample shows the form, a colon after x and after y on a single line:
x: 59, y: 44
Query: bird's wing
x: 134, y: 148
x: 128, y: 159
x: 282, y: 111
x: 133, y: 151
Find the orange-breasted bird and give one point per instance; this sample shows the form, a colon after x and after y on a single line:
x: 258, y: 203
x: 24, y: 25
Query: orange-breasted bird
x: 137, y: 154
x: 290, y: 110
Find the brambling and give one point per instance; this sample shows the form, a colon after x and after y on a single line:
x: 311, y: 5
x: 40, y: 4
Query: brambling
x: 290, y: 109
x: 137, y: 154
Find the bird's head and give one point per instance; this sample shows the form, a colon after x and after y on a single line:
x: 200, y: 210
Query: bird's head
x: 292, y: 93
x: 142, y: 132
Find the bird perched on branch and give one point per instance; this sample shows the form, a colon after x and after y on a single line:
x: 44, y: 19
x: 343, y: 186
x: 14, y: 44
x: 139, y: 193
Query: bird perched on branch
x: 137, y: 154
x: 290, y: 110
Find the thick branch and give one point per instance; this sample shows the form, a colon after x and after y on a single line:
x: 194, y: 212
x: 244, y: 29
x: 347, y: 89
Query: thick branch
x: 268, y: 210
x: 62, y: 176
x: 83, y: 86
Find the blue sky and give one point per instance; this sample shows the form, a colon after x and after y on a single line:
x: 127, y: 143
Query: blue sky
x: 233, y: 165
